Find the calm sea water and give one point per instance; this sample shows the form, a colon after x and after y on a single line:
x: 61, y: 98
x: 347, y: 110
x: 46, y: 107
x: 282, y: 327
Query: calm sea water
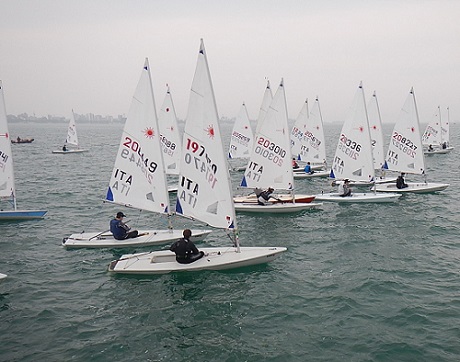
x: 358, y: 282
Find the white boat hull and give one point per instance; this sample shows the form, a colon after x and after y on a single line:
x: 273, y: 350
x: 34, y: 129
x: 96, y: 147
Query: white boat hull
x: 413, y: 187
x: 252, y: 198
x: 438, y: 151
x: 106, y: 239
x: 300, y: 175
x: 13, y: 215
x: 276, y: 208
x: 70, y: 151
x: 369, y: 197
x: 2, y: 276
x: 216, y: 258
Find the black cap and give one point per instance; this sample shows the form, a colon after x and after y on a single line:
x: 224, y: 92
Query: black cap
x: 120, y: 214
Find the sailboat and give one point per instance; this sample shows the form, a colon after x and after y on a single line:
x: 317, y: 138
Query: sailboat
x: 270, y: 161
x: 170, y: 140
x: 204, y: 191
x: 169, y: 135
x: 308, y: 142
x: 7, y: 188
x: 353, y: 158
x: 242, y: 136
x: 376, y: 132
x: 138, y: 179
x: 72, y: 139
x: 405, y: 152
x: 435, y: 139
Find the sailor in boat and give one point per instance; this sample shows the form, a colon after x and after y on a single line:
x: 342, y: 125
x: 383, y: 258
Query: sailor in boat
x: 120, y: 230
x: 444, y: 145
x: 18, y: 139
x: 430, y: 148
x: 308, y: 169
x: 295, y: 165
x: 400, y: 183
x: 264, y: 197
x: 344, y: 188
x: 64, y: 148
x: 186, y: 251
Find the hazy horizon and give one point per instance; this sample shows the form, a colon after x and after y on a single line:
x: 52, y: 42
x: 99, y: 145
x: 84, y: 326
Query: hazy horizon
x: 87, y: 55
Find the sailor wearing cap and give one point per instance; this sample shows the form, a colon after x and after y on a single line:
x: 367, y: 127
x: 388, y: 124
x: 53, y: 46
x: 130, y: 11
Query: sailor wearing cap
x: 120, y: 230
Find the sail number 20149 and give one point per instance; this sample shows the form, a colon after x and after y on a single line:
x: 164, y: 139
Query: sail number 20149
x: 133, y: 146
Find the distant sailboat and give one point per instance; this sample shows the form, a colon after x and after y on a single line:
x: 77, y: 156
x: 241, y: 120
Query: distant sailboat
x: 241, y: 138
x: 7, y: 187
x: 435, y: 139
x: 308, y: 142
x: 72, y: 139
x: 169, y: 134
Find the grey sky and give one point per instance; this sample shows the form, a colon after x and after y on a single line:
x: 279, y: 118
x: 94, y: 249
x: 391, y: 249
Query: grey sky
x: 56, y: 55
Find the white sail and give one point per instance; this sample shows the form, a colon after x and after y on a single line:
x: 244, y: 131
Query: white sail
x: 204, y: 192
x: 7, y: 189
x: 298, y: 131
x: 270, y: 161
x: 266, y: 101
x: 138, y: 178
x: 169, y: 135
x: 376, y: 131
x: 307, y: 136
x: 242, y: 137
x: 353, y: 156
x: 433, y: 132
x: 72, y: 138
x: 405, y: 153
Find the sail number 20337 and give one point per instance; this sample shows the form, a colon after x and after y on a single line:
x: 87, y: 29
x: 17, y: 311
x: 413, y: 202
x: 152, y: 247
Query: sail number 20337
x: 134, y: 147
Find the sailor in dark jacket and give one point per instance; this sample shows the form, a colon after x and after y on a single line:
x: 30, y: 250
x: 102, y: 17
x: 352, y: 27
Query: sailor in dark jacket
x: 186, y: 251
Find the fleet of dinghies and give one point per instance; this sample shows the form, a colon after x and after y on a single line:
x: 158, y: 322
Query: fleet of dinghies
x: 138, y: 179
x: 353, y: 158
x: 204, y: 193
x: 269, y: 165
x: 7, y: 185
x: 151, y: 149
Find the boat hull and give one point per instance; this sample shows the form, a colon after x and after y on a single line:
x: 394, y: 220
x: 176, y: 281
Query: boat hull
x: 22, y: 215
x: 216, y: 258
x: 438, y: 151
x: 69, y: 151
x: 299, y: 198
x: 413, y: 187
x: 3, y: 276
x: 275, y: 208
x: 300, y: 175
x: 358, y: 197
x: 25, y: 140
x: 150, y: 237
